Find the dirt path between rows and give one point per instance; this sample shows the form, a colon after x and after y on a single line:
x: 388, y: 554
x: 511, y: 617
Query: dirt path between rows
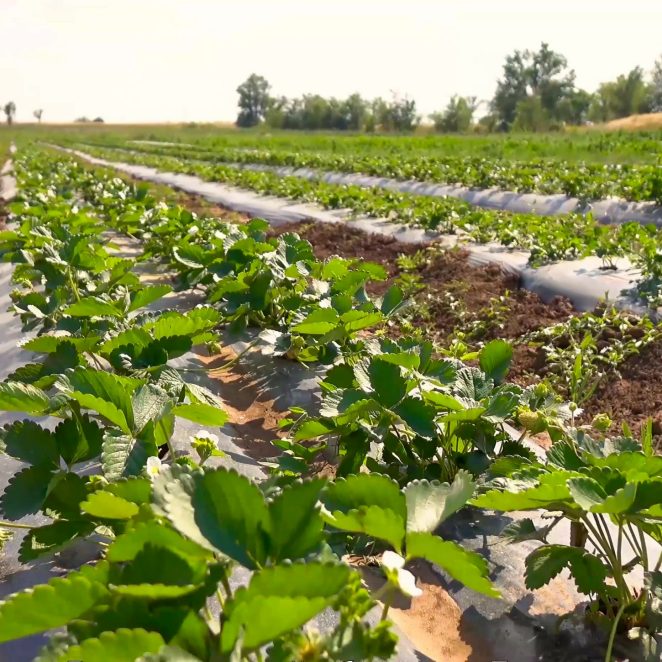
x: 253, y: 416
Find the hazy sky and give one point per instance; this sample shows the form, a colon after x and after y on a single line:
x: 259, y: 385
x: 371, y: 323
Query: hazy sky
x: 158, y: 60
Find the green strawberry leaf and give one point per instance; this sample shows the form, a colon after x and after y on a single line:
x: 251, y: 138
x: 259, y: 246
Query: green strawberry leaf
x: 51, y: 537
x: 123, y: 455
x: 544, y: 563
x: 461, y: 564
x: 220, y: 510
x: 430, y: 503
x: 127, y: 545
x: 367, y: 503
x: 26, y: 491
x: 123, y: 645
x: 280, y: 599
x: 92, y: 307
x: 296, y: 526
x: 30, y: 443
x: 52, y: 605
x: 149, y: 403
x: 318, y: 323
x: 108, y: 506
x: 146, y: 295
x: 495, y: 359
x: 15, y: 396
x: 387, y: 382
x: 202, y: 413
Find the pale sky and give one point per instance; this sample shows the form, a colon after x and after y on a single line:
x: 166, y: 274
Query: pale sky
x: 181, y: 60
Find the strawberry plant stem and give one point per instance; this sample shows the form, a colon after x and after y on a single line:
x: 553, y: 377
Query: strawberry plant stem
x: 15, y: 525
x: 387, y: 605
x: 612, y: 634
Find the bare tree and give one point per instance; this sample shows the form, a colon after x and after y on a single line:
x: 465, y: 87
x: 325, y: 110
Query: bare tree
x: 38, y: 113
x: 10, y: 111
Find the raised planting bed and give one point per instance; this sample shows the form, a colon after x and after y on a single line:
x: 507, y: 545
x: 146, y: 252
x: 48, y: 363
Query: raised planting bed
x: 552, y: 183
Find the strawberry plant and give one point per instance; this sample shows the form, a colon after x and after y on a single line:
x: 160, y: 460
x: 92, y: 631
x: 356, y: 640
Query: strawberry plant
x: 609, y: 490
x: 401, y: 412
x: 166, y: 584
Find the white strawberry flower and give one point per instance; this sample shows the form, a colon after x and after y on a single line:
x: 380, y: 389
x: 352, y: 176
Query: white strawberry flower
x: 206, y: 445
x: 153, y: 467
x: 207, y: 436
x: 193, y: 230
x: 396, y: 574
x: 407, y: 584
x: 392, y: 561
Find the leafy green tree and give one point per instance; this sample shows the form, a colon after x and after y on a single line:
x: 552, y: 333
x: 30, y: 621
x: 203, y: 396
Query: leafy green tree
x: 457, y: 116
x: 543, y: 74
x: 378, y: 113
x: 627, y: 95
x: 10, y: 111
x: 316, y: 112
x: 355, y: 111
x: 38, y: 113
x: 276, y: 112
x: 398, y: 115
x: 656, y: 87
x: 313, y: 112
x: 253, y: 100
x: 530, y: 115
x: 574, y: 107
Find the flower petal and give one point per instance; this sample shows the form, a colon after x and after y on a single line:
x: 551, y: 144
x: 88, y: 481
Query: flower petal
x: 407, y: 583
x: 392, y: 561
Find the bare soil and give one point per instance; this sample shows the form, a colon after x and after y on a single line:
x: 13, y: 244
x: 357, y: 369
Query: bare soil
x: 636, y: 396
x: 342, y: 239
x: 202, y: 207
x: 254, y: 417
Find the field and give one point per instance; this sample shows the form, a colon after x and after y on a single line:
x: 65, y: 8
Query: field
x: 260, y: 373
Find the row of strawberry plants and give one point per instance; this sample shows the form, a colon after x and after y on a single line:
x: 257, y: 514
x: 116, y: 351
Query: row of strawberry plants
x: 172, y: 533
x: 433, y: 418
x: 547, y: 239
x: 396, y: 395
x: 586, y: 181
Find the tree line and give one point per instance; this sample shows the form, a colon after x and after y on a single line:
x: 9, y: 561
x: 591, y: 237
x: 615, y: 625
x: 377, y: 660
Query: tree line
x: 536, y: 92
x: 312, y: 111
